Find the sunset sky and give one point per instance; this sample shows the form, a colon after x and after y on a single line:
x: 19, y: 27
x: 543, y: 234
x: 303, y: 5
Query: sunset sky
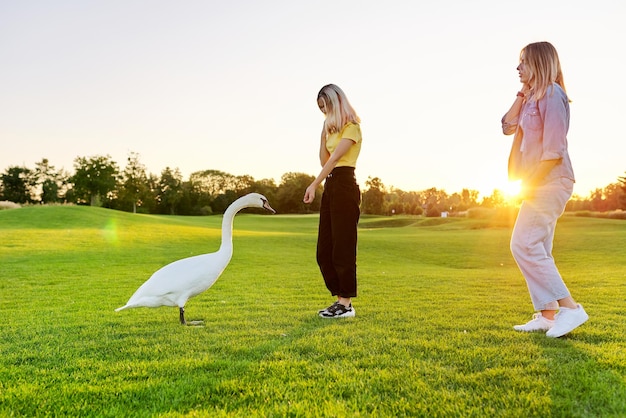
x: 232, y: 85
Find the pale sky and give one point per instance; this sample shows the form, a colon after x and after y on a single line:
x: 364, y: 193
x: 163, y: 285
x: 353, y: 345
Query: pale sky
x: 232, y: 85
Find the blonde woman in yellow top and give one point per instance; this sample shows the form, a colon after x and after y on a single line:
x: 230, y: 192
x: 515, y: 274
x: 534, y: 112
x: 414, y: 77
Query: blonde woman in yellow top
x: 340, y: 146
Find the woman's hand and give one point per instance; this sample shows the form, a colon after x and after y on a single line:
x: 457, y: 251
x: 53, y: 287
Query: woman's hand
x: 534, y: 181
x: 329, y: 165
x: 309, y: 194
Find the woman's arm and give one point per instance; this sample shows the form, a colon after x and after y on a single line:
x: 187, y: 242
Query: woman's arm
x: 555, y: 112
x: 554, y: 109
x: 324, y: 154
x: 329, y: 165
x: 509, y: 121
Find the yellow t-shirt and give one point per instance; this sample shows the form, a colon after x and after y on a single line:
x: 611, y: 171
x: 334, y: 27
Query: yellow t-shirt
x: 351, y: 131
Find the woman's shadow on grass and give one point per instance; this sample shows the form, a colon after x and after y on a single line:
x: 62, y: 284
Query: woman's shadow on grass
x: 581, y: 380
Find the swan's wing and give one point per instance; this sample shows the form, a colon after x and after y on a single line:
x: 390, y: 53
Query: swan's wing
x: 176, y: 282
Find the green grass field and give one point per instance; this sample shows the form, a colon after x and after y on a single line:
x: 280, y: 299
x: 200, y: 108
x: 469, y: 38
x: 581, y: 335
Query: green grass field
x: 432, y: 337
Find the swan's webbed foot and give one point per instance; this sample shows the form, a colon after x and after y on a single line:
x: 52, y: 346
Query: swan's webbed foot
x: 190, y: 323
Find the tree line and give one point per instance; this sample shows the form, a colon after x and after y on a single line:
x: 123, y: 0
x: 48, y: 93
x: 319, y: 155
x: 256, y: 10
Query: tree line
x: 99, y: 181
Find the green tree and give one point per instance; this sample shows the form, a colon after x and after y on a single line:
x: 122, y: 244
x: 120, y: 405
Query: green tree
x: 394, y: 202
x: 213, y: 182
x: 149, y: 205
x: 291, y: 191
x: 435, y: 201
x: 170, y: 191
x: 223, y: 200
x: 607, y: 198
x: 242, y: 185
x: 94, y: 179
x: 233, y: 187
x: 622, y: 185
x: 400, y: 202
x: 134, y: 188
x: 52, y: 183
x: 374, y: 197
x: 469, y: 198
x: 17, y: 184
x: 577, y: 203
x: 496, y: 200
x: 205, y: 186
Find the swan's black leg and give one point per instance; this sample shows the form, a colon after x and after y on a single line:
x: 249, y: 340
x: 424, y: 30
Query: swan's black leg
x: 190, y: 323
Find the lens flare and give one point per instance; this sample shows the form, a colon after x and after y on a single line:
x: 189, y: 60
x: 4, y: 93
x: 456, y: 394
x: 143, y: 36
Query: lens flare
x: 109, y: 232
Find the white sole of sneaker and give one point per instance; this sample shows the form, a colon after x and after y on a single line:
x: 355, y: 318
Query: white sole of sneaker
x: 556, y: 333
x: 520, y: 328
x: 350, y: 314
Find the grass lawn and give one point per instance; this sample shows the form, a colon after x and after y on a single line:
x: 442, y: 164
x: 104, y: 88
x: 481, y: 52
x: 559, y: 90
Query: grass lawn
x: 432, y: 337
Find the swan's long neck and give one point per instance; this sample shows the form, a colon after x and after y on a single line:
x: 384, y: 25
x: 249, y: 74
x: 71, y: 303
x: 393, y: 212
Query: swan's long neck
x: 227, y: 227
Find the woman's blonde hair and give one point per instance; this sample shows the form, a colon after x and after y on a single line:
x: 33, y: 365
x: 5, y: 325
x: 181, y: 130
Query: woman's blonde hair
x: 339, y: 111
x: 542, y: 63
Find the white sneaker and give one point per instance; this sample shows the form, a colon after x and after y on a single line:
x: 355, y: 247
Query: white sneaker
x: 538, y: 323
x: 567, y: 320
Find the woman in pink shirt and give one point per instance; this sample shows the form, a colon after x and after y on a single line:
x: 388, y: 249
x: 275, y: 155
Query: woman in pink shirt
x: 539, y: 118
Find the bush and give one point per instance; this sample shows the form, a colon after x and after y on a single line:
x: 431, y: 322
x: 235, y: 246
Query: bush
x: 481, y: 213
x: 506, y: 216
x: 614, y: 214
x: 495, y: 217
x: 5, y: 204
x: 617, y: 214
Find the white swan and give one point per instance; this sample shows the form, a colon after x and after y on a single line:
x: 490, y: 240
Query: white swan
x: 175, y: 283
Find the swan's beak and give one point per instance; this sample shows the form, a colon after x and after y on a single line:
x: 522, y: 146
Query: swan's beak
x: 267, y: 206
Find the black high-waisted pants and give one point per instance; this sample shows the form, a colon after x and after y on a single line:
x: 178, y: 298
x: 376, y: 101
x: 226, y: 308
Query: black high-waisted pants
x: 337, y: 235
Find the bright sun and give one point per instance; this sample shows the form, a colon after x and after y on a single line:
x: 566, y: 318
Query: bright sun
x: 508, y: 192
x: 512, y: 189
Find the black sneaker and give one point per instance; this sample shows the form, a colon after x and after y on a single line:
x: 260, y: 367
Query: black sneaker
x: 326, y: 309
x: 337, y: 310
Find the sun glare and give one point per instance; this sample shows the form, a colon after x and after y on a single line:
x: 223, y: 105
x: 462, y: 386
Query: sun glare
x: 512, y: 189
x: 506, y: 193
